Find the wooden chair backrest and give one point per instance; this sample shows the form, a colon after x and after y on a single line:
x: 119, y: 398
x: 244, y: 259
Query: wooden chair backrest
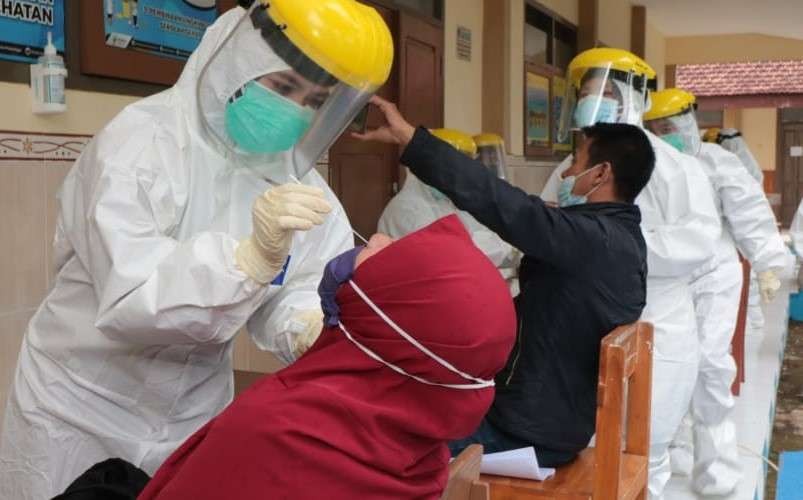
x: 625, y: 372
x: 464, y: 475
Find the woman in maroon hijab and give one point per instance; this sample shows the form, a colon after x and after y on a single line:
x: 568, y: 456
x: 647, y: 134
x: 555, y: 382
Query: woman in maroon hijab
x: 424, y: 325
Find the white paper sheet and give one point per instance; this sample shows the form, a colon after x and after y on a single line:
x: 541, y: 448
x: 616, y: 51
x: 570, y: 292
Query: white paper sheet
x: 521, y: 463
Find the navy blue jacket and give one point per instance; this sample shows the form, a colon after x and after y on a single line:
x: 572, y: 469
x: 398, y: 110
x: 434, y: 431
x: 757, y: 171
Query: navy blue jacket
x: 583, y: 274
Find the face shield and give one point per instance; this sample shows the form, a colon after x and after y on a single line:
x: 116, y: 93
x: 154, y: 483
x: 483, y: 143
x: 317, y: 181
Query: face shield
x: 491, y: 152
x: 602, y: 94
x: 678, y: 130
x: 284, y: 84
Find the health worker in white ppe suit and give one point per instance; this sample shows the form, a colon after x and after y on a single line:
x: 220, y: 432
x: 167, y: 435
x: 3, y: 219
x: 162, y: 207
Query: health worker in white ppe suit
x: 680, y: 225
x: 749, y: 226
x: 732, y: 140
x: 180, y: 223
x: 418, y: 205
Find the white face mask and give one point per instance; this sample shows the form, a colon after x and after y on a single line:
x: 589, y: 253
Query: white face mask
x: 478, y: 383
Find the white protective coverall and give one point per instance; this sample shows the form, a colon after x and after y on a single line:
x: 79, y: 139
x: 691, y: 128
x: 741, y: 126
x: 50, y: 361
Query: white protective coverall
x: 681, y: 226
x: 796, y: 231
x: 417, y: 205
x: 732, y: 140
x: 748, y: 222
x: 131, y: 351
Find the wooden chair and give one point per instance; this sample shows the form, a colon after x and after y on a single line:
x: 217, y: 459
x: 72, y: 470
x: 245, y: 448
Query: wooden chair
x: 605, y: 472
x: 464, y: 475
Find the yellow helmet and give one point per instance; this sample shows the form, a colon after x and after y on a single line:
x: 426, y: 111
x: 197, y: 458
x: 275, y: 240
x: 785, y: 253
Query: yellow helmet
x: 669, y: 102
x: 712, y: 134
x: 604, y: 57
x: 347, y: 39
x: 487, y: 139
x: 457, y: 139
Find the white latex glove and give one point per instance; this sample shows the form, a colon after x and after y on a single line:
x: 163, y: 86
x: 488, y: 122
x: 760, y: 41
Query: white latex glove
x: 768, y: 285
x: 276, y: 215
x: 311, y: 324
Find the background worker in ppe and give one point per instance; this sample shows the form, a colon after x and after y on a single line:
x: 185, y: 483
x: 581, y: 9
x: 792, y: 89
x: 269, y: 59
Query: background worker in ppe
x: 418, y: 205
x: 342, y: 423
x: 731, y: 140
x: 680, y: 224
x: 749, y: 226
x: 180, y: 223
x: 582, y: 275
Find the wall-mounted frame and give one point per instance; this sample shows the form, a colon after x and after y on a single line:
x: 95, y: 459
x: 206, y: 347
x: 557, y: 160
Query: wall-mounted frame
x: 100, y: 59
x: 537, y: 124
x: 544, y: 89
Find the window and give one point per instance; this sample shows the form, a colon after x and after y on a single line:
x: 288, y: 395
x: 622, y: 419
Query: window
x: 792, y: 115
x: 550, y: 43
x: 428, y: 8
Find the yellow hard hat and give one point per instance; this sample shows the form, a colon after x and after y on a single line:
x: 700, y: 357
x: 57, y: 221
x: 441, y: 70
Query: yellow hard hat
x: 712, y: 134
x: 604, y: 57
x: 669, y: 102
x: 488, y: 140
x: 457, y: 139
x: 344, y: 37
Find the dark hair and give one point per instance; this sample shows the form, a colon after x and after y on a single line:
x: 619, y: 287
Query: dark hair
x: 627, y: 148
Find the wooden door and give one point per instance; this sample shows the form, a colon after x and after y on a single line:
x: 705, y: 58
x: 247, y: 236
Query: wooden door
x: 363, y: 175
x: 420, y: 50
x: 366, y: 176
x: 789, y: 175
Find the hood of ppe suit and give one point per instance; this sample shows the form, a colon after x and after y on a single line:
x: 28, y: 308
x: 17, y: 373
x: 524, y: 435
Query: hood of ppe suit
x: 231, y: 54
x: 738, y: 146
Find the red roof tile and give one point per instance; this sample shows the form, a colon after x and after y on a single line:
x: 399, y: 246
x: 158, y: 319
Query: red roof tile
x: 742, y: 78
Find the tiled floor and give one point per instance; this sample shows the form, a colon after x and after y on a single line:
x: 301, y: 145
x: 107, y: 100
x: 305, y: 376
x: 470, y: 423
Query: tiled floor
x: 755, y: 408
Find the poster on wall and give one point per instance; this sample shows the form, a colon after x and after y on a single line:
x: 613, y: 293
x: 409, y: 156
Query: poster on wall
x: 24, y: 26
x: 169, y: 28
x: 537, y: 113
x: 558, y: 92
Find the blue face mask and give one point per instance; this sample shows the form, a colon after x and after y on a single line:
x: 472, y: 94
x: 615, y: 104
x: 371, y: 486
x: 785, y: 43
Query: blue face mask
x: 584, y: 112
x: 262, y: 121
x: 566, y: 198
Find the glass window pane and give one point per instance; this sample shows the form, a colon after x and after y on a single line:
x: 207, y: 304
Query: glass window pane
x: 565, y: 45
x: 536, y: 44
x: 429, y: 8
x: 537, y: 36
x: 792, y: 115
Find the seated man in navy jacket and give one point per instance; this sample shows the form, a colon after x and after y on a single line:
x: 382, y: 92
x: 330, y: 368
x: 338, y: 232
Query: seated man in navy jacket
x: 583, y: 274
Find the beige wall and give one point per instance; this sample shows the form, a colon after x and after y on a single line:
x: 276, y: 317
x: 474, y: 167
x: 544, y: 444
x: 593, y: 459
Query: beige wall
x: 655, y: 51
x: 514, y: 85
x: 613, y: 24
x: 759, y: 128
x: 87, y: 112
x: 463, y: 79
x: 731, y: 48
x: 28, y: 209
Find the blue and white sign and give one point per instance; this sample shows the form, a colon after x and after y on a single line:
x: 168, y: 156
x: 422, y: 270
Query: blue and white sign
x: 24, y: 25
x: 171, y: 28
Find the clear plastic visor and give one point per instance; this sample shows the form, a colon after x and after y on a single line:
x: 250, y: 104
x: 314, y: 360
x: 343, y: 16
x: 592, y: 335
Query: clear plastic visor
x: 493, y: 157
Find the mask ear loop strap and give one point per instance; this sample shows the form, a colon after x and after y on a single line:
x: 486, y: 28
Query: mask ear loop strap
x: 413, y: 341
x: 376, y: 357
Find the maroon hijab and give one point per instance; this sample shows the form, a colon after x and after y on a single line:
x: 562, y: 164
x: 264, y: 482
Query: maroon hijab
x: 338, y: 424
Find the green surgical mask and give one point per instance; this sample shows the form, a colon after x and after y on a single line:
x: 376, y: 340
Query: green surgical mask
x: 676, y: 141
x: 262, y: 121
